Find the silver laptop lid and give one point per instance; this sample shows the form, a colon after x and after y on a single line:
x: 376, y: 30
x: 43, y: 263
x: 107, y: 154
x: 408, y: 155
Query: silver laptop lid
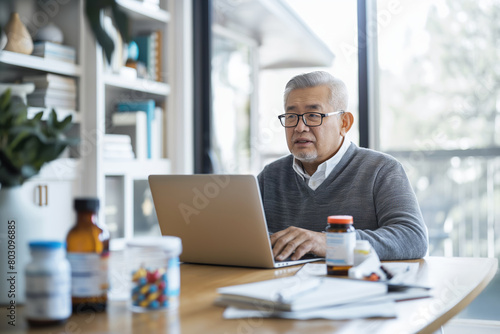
x: 220, y: 218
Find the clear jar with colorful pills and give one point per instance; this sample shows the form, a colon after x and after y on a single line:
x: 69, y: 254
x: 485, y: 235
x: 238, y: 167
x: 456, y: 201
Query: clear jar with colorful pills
x: 154, y: 273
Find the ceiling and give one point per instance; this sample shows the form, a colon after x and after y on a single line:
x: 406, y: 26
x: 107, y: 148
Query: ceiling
x: 284, y: 40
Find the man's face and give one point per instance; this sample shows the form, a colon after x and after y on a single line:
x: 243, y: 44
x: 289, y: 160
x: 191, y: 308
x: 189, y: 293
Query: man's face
x: 313, y: 145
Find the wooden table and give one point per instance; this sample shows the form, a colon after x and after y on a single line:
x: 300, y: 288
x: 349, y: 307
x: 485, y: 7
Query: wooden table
x: 455, y: 281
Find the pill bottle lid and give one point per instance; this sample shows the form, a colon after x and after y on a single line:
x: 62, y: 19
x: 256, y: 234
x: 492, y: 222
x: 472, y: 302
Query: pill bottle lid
x: 169, y: 244
x: 340, y: 219
x: 86, y: 204
x: 46, y: 245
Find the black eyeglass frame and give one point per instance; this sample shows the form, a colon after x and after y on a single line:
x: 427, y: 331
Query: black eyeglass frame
x: 282, y: 116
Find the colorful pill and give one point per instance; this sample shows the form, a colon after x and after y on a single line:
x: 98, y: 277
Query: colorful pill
x: 144, y: 289
x: 153, y: 296
x: 139, y: 273
x: 161, y: 285
x: 154, y: 304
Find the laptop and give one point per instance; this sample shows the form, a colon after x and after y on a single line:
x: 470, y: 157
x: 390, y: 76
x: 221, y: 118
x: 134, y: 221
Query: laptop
x: 219, y: 218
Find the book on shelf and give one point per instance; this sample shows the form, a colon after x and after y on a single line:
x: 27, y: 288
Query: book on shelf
x: 134, y: 125
x: 49, y: 102
x: 295, y: 294
x: 115, y: 155
x: 117, y: 146
x: 47, y: 79
x: 53, y: 93
x: 157, y: 134
x: 117, y: 139
x: 49, y: 50
x: 150, y: 53
x: 148, y: 108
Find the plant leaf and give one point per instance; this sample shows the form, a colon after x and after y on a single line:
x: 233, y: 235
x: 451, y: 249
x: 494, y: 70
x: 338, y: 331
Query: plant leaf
x: 5, y: 100
x: 65, y: 123
x: 38, y: 116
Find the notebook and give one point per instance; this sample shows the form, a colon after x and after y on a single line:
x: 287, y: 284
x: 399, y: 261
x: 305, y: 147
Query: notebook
x: 311, y: 293
x: 220, y: 219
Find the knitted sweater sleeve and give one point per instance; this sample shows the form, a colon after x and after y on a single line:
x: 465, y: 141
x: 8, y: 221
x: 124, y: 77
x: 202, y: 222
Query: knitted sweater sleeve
x: 401, y: 232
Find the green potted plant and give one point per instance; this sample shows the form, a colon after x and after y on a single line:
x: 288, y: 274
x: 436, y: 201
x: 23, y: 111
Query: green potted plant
x: 26, y: 144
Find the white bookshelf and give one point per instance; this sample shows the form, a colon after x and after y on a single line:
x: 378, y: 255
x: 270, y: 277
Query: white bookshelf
x: 98, y: 90
x: 39, y: 63
x: 140, y: 11
x: 139, y: 84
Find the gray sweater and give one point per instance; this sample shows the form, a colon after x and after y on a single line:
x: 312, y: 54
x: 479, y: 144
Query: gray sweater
x: 368, y: 185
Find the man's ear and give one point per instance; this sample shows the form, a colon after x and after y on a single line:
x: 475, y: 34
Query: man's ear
x: 347, y: 121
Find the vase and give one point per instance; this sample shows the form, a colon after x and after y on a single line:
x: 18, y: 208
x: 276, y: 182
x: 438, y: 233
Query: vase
x: 18, y: 226
x: 50, y: 33
x: 18, y: 37
x: 3, y: 40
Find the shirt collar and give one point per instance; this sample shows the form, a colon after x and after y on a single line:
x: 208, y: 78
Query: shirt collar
x: 325, y: 167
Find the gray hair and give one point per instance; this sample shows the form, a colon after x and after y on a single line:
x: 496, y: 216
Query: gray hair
x: 339, y: 98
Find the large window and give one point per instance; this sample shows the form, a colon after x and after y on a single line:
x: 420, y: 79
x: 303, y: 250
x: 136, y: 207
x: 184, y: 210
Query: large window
x: 439, y: 112
x: 429, y: 94
x: 232, y: 87
x: 335, y: 22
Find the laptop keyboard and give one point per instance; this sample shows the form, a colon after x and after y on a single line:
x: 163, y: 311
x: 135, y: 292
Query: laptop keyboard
x: 308, y: 256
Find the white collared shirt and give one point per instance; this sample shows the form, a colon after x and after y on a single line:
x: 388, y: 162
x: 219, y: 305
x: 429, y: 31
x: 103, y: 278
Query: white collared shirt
x: 324, y: 169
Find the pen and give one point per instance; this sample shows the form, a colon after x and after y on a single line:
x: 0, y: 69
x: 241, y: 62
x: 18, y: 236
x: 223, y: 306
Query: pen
x: 287, y: 294
x: 387, y: 273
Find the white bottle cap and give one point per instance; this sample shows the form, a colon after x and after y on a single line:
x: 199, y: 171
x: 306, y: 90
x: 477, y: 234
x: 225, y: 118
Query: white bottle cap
x: 169, y: 244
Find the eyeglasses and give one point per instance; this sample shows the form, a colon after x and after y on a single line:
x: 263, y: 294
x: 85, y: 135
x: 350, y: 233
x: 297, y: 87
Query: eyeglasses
x: 310, y: 119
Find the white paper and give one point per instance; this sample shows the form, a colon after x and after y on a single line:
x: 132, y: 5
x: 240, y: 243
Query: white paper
x: 404, y: 272
x: 366, y: 309
x: 329, y: 291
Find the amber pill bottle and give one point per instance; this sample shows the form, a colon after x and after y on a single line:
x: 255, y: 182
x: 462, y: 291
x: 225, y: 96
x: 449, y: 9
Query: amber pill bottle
x: 340, y: 243
x: 88, y: 252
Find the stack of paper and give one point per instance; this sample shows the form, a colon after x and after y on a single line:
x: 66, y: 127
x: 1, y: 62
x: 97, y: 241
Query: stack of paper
x: 306, y: 298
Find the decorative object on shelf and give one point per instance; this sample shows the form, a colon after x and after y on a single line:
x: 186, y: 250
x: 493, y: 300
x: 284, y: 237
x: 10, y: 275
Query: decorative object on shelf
x: 25, y: 146
x: 20, y: 90
x: 50, y: 33
x: 93, y: 10
x: 18, y: 38
x: 133, y: 51
x: 116, y: 61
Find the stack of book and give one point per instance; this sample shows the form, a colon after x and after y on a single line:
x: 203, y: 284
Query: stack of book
x: 150, y: 45
x: 307, y: 298
x: 54, y: 51
x: 52, y: 91
x: 142, y: 121
x: 117, y: 147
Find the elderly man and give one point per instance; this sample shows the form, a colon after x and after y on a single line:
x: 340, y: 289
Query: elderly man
x: 326, y: 174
